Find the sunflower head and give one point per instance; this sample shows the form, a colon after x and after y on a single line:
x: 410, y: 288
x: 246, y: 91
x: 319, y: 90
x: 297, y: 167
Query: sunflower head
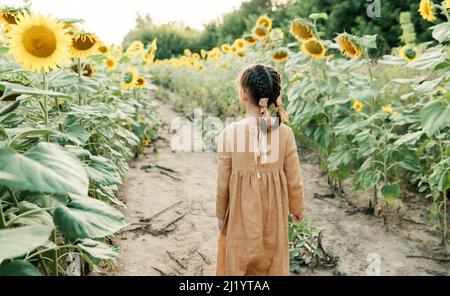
x: 348, y: 46
x: 301, y: 30
x: 280, y: 55
x: 358, y: 106
x: 87, y: 71
x: 226, y: 48
x: 261, y: 32
x: 426, y: 9
x: 84, y: 45
x: 239, y: 44
x: 111, y: 63
x: 141, y: 82
x: 39, y: 43
x: 9, y: 16
x: 196, y: 56
x: 265, y: 22
x: 103, y: 49
x: 203, y: 53
x: 314, y: 48
x: 409, y: 53
x: 388, y: 110
x: 129, y: 79
x: 240, y: 53
x: 277, y: 34
x: 187, y: 52
x: 71, y: 28
x: 446, y: 4
x: 134, y: 49
x: 250, y: 40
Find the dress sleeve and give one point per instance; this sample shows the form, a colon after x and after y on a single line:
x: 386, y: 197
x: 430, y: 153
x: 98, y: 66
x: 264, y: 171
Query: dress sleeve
x: 223, y: 175
x: 293, y: 175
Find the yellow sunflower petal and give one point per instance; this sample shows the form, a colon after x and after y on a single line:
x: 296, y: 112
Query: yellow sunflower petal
x: 39, y: 43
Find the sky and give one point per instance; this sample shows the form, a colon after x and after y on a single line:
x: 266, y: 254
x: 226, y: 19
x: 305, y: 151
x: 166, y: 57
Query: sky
x: 112, y: 19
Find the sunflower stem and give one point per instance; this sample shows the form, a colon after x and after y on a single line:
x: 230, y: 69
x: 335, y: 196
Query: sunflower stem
x: 79, y: 70
x: 44, y: 107
x: 2, y: 216
x: 55, y: 255
x: 369, y: 64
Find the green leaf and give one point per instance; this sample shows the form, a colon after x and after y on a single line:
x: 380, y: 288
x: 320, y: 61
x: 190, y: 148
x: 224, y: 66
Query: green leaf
x: 86, y: 217
x: 444, y: 181
x: 441, y: 32
x: 32, y: 214
x: 316, y: 16
x: 44, y: 168
x: 390, y: 192
x: 18, y: 268
x: 434, y: 116
x: 98, y: 250
x: 11, y: 88
x: 429, y: 59
x: 17, y: 242
x: 103, y: 171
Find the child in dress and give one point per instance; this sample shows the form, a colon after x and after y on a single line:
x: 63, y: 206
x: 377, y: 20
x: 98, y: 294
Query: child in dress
x: 258, y: 182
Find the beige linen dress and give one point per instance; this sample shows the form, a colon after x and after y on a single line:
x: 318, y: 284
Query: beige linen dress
x: 254, y: 199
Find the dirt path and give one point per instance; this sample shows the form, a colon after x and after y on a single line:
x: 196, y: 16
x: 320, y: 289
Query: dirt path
x: 182, y: 240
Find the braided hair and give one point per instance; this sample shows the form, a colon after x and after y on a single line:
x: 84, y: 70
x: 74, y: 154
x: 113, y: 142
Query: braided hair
x: 260, y: 82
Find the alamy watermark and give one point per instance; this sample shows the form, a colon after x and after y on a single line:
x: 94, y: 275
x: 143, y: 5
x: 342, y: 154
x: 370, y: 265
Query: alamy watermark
x: 373, y: 8
x: 211, y: 134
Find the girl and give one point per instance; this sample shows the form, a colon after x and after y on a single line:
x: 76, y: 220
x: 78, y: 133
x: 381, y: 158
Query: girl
x: 258, y: 182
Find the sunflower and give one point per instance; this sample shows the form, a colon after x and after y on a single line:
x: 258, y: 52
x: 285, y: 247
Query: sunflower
x: 148, y: 58
x: 409, y: 53
x: 135, y: 48
x: 203, y: 53
x: 277, y: 34
x: 226, y: 48
x: 265, y: 22
x: 261, y: 32
x: 39, y: 42
x: 141, y: 82
x: 196, y: 56
x: 426, y: 9
x: 348, y: 47
x: 129, y: 79
x: 111, y: 63
x: 239, y: 44
x: 8, y: 17
x: 87, y: 71
x: 240, y: 53
x: 446, y: 4
x: 84, y: 45
x: 154, y: 46
x: 358, y: 106
x: 187, y: 52
x: 314, y: 48
x: 71, y: 28
x: 103, y: 49
x: 280, y: 55
x: 301, y: 31
x: 250, y: 40
x: 388, y: 110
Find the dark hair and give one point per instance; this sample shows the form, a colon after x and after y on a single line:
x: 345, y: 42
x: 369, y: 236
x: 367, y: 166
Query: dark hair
x: 260, y: 82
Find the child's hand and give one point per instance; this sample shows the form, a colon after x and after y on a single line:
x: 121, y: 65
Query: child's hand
x: 298, y: 218
x: 220, y: 225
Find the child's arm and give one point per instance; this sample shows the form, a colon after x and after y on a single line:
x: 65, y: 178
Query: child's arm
x: 223, y: 177
x: 294, y: 178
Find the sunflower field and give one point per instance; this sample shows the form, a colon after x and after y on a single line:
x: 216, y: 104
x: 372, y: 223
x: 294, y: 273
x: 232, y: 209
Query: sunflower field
x: 73, y: 112
x: 382, y: 122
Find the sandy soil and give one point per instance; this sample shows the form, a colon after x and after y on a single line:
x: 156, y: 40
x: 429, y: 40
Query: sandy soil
x: 182, y: 240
